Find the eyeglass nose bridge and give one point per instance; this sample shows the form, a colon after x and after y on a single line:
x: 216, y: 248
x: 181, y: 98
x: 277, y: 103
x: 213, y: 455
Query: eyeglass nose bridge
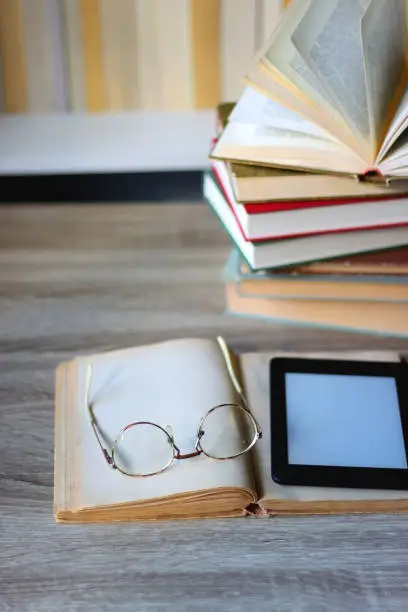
x: 178, y: 454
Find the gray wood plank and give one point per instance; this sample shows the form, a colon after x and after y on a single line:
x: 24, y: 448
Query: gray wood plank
x: 75, y: 279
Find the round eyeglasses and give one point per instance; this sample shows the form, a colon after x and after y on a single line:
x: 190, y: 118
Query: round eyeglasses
x: 145, y: 448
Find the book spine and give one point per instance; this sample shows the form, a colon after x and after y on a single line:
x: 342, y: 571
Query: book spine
x: 205, y: 41
x: 13, y: 64
x: 96, y: 97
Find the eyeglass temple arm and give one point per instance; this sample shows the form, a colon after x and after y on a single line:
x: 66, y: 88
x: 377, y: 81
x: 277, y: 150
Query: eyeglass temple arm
x: 97, y: 430
x: 226, y: 353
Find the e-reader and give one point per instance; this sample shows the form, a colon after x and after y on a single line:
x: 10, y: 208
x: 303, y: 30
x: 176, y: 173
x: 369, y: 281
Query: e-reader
x: 339, y: 423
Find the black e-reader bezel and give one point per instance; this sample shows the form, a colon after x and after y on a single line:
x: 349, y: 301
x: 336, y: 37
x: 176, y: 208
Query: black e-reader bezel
x: 285, y: 473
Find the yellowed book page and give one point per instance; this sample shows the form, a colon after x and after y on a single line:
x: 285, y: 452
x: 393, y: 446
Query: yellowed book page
x: 303, y: 37
x: 13, y: 66
x: 281, y: 56
x: 257, y: 109
x: 205, y: 40
x: 395, y: 162
x: 238, y: 45
x: 261, y: 144
x: 385, y: 49
x: 60, y: 428
x: 399, y: 124
x: 260, y: 79
x: 173, y: 383
x: 65, y: 419
x: 367, y: 74
x: 255, y: 368
x: 96, y: 94
x: 269, y: 15
x: 328, y: 38
x: 118, y: 23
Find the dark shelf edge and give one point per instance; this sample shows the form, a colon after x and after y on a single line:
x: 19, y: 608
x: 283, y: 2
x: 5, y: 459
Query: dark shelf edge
x: 113, y: 187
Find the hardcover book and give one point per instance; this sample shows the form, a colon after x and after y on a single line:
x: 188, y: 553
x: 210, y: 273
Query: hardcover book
x: 299, y: 250
x: 267, y: 220
x: 301, y: 284
x: 174, y: 384
x: 362, y: 315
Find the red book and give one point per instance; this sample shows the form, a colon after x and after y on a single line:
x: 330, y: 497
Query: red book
x: 263, y: 221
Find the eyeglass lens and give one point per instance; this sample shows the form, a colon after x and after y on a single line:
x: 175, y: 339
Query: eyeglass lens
x: 142, y: 449
x: 228, y: 431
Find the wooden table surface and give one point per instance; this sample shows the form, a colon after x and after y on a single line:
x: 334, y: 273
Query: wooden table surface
x: 78, y: 278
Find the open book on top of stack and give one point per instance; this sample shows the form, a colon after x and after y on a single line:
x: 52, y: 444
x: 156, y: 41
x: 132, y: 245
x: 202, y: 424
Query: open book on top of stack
x: 174, y: 383
x: 336, y: 76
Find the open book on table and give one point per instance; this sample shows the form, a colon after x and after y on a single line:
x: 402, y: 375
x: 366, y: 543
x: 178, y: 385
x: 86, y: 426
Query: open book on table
x: 174, y: 384
x: 328, y: 91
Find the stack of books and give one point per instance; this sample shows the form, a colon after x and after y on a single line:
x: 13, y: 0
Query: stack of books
x: 309, y: 172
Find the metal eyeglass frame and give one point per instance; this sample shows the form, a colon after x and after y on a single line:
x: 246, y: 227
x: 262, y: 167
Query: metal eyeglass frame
x: 177, y: 454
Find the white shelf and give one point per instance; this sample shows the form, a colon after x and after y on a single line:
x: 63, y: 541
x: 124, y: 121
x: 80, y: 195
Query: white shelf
x: 115, y: 142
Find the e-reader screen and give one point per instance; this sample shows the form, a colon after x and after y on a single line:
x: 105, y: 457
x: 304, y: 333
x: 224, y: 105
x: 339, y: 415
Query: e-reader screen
x: 339, y: 423
x: 344, y: 420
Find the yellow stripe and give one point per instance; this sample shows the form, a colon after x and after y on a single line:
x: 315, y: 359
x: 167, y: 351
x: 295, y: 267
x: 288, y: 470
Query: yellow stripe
x: 13, y: 68
x: 96, y: 98
x: 205, y: 40
x: 113, y: 43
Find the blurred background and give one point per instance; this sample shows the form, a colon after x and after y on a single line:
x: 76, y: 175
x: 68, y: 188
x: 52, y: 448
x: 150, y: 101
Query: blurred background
x: 119, y: 88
